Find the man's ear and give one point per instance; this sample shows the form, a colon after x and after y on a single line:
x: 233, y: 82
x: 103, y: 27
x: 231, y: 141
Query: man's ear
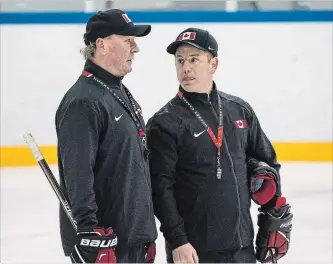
x: 215, y: 63
x: 100, y: 45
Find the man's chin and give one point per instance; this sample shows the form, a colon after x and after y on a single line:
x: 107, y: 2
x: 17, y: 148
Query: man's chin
x: 128, y: 70
x: 188, y: 85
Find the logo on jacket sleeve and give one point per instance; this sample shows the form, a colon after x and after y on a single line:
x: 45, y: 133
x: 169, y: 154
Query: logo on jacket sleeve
x: 240, y: 123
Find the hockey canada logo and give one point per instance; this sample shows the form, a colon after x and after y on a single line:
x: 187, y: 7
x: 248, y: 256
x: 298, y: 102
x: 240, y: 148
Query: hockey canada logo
x: 187, y: 36
x: 126, y: 18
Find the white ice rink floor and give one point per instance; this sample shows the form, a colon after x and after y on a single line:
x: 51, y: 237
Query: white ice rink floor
x: 29, y: 215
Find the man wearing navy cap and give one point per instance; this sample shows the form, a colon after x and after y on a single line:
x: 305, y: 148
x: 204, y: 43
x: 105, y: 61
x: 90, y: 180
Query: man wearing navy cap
x: 102, y: 151
x: 205, y: 147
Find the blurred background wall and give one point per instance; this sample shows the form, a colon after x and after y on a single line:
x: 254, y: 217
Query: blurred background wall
x: 81, y: 5
x: 277, y: 55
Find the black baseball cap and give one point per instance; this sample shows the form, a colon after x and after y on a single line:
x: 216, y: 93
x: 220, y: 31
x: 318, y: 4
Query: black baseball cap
x: 113, y: 21
x: 195, y: 37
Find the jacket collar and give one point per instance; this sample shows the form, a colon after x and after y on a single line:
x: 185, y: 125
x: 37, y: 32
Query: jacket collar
x: 102, y: 74
x: 194, y: 97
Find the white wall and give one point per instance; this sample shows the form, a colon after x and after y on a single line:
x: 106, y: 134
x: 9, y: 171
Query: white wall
x: 283, y: 70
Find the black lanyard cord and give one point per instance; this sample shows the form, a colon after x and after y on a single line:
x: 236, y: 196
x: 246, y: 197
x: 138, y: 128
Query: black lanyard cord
x: 135, y: 116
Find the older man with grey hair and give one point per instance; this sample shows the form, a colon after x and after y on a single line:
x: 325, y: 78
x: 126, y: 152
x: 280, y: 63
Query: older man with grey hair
x: 103, y: 156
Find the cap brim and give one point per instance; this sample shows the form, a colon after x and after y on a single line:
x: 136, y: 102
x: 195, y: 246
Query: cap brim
x: 136, y: 30
x: 172, y: 48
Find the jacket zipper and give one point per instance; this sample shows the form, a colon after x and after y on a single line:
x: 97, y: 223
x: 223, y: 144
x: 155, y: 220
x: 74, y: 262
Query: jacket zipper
x: 234, y: 173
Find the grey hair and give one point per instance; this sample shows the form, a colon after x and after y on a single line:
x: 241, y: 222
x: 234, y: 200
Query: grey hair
x: 89, y: 51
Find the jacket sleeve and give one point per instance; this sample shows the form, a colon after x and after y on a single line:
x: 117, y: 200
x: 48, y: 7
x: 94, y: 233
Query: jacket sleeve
x: 78, y: 131
x: 259, y: 146
x: 162, y: 140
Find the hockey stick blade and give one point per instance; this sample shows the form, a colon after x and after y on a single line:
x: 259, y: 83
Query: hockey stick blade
x: 28, y: 138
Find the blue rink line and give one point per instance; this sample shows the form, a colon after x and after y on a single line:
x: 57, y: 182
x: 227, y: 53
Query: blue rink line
x: 166, y: 16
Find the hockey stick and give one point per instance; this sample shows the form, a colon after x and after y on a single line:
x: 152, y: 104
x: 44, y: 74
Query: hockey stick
x: 273, y: 257
x: 28, y: 138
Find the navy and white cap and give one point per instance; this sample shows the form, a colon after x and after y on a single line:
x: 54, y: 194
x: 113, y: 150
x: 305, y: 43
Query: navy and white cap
x: 195, y: 37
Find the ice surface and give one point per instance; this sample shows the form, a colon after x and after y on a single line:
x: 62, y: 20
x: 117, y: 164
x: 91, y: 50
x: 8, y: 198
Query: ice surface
x: 29, y: 215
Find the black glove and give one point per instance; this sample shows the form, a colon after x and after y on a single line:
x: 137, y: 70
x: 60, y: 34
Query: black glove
x: 273, y: 238
x: 97, y: 245
x: 264, y: 183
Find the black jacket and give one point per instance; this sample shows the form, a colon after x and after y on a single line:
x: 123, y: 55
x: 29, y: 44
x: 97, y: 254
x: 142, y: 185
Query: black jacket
x: 190, y: 202
x: 103, y: 171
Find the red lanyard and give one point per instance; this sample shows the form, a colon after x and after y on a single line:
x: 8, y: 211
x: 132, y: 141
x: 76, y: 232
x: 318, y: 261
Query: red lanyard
x: 217, y: 141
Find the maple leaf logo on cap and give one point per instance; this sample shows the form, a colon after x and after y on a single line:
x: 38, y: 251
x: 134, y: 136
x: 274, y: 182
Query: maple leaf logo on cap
x: 187, y: 36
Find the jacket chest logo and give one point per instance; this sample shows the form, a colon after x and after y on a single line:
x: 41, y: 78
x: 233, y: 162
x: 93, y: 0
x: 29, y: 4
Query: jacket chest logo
x: 118, y: 117
x: 198, y: 134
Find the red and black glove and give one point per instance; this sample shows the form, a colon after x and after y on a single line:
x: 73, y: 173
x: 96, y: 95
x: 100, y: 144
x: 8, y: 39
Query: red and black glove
x: 97, y: 245
x: 264, y: 183
x: 150, y: 252
x: 273, y: 238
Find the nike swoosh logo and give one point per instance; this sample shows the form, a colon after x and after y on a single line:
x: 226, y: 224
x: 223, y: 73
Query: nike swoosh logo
x: 117, y: 118
x: 198, y: 134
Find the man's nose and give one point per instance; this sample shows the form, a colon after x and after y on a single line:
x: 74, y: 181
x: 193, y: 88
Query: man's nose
x: 135, y: 47
x: 186, y: 67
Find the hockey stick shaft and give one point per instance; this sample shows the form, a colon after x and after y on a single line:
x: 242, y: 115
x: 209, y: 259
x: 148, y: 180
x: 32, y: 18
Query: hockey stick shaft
x: 273, y: 256
x: 28, y: 138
